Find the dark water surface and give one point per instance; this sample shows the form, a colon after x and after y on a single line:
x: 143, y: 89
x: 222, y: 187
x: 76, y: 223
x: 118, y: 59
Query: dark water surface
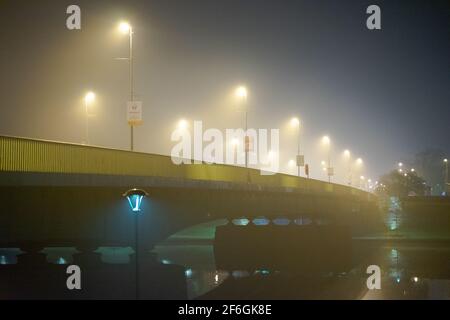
x: 407, y: 272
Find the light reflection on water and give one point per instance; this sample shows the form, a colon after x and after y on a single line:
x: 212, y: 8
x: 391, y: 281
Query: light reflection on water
x: 407, y: 272
x: 201, y: 273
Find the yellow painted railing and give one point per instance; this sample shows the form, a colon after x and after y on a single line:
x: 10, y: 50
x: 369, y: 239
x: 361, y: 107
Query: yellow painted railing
x: 30, y: 155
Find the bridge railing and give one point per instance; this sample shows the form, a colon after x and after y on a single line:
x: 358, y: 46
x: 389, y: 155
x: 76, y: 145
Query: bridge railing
x: 31, y: 155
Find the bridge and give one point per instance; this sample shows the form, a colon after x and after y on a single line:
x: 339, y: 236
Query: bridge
x: 53, y: 190
x: 57, y: 194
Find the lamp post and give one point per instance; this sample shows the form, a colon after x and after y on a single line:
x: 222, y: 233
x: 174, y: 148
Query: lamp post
x: 295, y: 122
x: 241, y: 93
x: 134, y: 197
x: 358, y: 164
x: 446, y: 174
x: 362, y: 182
x: 88, y: 99
x: 126, y: 28
x: 326, y: 141
x: 347, y: 156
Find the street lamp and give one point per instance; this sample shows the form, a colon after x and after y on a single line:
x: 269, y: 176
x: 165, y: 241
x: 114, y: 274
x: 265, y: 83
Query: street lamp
x: 182, y: 124
x: 361, y: 181
x: 326, y: 141
x: 135, y: 197
x: 291, y: 163
x: 358, y: 164
x: 241, y: 94
x: 295, y: 122
x: 126, y: 28
x: 446, y: 174
x: 88, y: 99
x: 347, y: 156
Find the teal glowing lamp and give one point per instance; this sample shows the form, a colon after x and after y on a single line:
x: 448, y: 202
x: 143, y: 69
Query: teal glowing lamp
x: 134, y: 197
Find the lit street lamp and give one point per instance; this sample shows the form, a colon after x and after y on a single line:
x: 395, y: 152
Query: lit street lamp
x: 295, y: 122
x: 241, y: 93
x: 182, y: 124
x: 126, y: 28
x: 326, y: 141
x: 358, y: 164
x: 446, y: 174
x: 291, y: 164
x: 347, y: 157
x: 88, y: 100
x: 135, y: 197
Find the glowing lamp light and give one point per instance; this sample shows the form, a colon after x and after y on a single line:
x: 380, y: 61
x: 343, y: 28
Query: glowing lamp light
x: 183, y: 124
x: 89, y: 97
x: 347, y: 153
x: 134, y: 197
x: 295, y: 122
x: 241, y: 92
x: 326, y: 140
x: 124, y: 27
x: 188, y: 273
x: 359, y: 161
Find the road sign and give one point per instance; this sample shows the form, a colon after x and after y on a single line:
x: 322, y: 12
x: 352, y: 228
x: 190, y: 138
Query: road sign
x: 330, y: 171
x: 300, y: 160
x: 134, y: 113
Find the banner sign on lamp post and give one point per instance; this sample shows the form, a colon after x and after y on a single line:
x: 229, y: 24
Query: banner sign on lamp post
x: 134, y: 113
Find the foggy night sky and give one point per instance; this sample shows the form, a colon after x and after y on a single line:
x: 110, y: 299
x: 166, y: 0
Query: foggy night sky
x: 382, y: 94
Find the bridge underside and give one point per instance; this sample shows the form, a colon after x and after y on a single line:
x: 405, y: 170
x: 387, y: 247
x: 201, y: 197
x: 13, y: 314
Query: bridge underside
x: 62, y: 209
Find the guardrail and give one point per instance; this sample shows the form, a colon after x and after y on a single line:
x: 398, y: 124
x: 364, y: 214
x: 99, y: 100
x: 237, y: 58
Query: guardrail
x: 32, y: 155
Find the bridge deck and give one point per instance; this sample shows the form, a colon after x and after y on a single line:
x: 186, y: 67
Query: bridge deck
x: 22, y: 155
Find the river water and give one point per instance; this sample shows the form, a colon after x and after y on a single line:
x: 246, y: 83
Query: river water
x: 409, y: 270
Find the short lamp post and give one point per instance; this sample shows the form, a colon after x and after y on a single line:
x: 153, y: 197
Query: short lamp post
x: 446, y: 176
x: 134, y: 197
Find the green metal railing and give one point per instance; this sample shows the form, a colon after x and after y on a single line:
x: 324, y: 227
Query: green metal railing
x: 30, y: 155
